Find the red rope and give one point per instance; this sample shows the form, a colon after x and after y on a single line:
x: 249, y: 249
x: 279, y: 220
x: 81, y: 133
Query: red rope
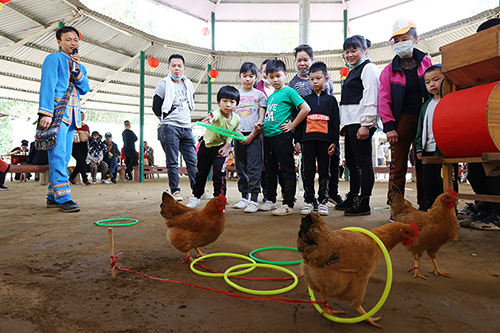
x: 412, y: 267
x: 114, y: 260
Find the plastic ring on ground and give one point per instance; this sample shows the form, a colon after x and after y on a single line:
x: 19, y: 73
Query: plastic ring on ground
x: 103, y: 223
x: 261, y: 292
x: 382, y: 299
x: 222, y: 255
x: 281, y: 263
x: 223, y: 131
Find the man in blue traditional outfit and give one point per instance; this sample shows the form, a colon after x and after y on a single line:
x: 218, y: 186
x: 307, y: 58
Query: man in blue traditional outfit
x: 62, y: 87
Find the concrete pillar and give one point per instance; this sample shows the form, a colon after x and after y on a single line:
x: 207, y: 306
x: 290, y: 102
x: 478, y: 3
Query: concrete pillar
x: 304, y: 21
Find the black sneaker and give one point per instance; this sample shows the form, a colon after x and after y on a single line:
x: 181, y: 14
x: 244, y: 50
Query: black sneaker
x: 473, y: 218
x: 113, y: 180
x: 336, y: 199
x: 52, y: 204
x: 3, y: 188
x: 69, y: 207
x: 347, y: 203
x: 361, y: 206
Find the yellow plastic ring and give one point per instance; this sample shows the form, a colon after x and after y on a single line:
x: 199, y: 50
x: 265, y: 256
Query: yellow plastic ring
x: 223, y: 255
x: 382, y: 299
x: 261, y: 292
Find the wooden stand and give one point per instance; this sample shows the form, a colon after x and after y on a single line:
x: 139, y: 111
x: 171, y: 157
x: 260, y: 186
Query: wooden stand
x: 111, y: 250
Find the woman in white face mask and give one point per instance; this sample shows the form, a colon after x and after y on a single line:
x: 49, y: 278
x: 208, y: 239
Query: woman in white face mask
x: 401, y: 95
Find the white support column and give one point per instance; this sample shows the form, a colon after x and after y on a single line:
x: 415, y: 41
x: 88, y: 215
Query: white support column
x: 304, y: 21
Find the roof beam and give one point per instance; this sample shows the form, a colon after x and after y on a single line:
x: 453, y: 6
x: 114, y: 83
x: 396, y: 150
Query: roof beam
x: 110, y: 77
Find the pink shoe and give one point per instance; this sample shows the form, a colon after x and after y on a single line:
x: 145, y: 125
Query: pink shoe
x: 87, y: 183
x: 72, y: 181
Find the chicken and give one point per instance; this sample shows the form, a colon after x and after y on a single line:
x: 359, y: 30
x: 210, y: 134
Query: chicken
x: 190, y: 228
x: 339, y: 263
x: 399, y: 205
x: 437, y: 227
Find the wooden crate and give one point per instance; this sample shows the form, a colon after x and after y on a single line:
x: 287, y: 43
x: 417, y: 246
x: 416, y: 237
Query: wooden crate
x: 473, y: 60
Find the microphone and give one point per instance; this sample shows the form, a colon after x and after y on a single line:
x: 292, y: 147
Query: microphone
x: 73, y: 63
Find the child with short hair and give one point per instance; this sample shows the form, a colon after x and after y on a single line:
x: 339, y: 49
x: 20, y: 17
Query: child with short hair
x: 248, y: 153
x: 318, y: 137
x: 425, y: 144
x: 213, y: 150
x: 278, y: 137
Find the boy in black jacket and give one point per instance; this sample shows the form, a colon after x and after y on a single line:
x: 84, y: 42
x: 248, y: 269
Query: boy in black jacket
x: 318, y: 138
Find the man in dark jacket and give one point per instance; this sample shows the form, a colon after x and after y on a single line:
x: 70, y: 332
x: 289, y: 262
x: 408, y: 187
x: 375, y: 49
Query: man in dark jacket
x: 129, y: 139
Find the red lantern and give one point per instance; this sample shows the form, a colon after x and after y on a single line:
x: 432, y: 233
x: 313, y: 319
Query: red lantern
x: 205, y: 31
x: 213, y: 73
x: 153, y: 63
x: 344, y: 72
x: 79, y: 35
x: 4, y: 1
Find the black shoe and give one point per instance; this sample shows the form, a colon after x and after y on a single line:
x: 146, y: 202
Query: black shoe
x: 336, y: 199
x: 113, y: 180
x: 361, y: 206
x: 69, y: 207
x: 347, y: 203
x: 52, y: 204
x: 3, y: 188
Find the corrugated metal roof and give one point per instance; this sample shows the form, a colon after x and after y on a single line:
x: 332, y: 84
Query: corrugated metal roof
x: 107, y: 45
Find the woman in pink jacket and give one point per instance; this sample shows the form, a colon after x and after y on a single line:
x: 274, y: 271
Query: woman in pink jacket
x: 401, y: 95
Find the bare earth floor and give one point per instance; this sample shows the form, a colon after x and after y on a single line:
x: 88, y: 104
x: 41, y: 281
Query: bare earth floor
x: 55, y: 272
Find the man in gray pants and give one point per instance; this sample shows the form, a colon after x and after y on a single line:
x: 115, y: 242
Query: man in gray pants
x: 172, y: 104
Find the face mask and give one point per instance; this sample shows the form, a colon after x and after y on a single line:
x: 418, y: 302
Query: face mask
x: 361, y: 61
x: 266, y: 81
x: 403, y: 49
x: 305, y: 73
x: 176, y: 79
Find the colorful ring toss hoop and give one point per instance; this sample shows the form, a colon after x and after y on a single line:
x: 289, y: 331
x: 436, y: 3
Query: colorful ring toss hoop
x: 281, y: 263
x: 103, y: 223
x: 382, y: 299
x: 222, y: 131
x: 252, y: 267
x: 261, y: 292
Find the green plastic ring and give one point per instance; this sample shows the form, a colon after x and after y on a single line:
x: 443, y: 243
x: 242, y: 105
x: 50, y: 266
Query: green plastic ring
x: 382, y: 299
x: 223, y: 131
x: 103, y: 224
x: 222, y: 255
x: 261, y: 292
x: 281, y: 263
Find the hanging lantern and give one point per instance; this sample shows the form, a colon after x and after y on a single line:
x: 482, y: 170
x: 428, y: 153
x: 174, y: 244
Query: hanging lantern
x: 344, y: 72
x: 153, y: 63
x: 205, y: 31
x: 4, y: 1
x: 213, y: 73
x: 348, y: 31
x: 79, y: 35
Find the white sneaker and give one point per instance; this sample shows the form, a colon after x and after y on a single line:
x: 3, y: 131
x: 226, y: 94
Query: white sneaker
x: 207, y: 196
x: 243, y: 203
x: 307, y: 209
x: 283, y: 210
x: 177, y: 196
x: 252, y: 207
x: 268, y: 205
x: 323, y: 210
x: 193, y: 202
x: 105, y: 181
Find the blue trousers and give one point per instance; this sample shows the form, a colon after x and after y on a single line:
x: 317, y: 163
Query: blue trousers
x: 176, y: 139
x: 59, y: 156
x: 113, y: 165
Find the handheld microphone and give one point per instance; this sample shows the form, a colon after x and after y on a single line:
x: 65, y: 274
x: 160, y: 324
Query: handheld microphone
x: 73, y: 63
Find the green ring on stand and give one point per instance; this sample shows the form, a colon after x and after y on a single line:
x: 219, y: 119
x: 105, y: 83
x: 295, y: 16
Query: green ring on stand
x: 281, y: 263
x: 222, y: 255
x: 103, y: 224
x: 222, y: 131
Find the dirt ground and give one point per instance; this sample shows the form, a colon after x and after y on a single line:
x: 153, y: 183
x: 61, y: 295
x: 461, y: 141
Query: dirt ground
x: 55, y: 274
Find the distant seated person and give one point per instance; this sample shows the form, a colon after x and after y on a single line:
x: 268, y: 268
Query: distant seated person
x: 150, y: 153
x: 97, y: 151
x: 22, y: 150
x: 112, y: 157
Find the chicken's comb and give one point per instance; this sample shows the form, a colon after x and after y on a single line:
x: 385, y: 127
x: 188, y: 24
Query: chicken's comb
x: 222, y: 197
x: 415, y: 229
x: 453, y: 194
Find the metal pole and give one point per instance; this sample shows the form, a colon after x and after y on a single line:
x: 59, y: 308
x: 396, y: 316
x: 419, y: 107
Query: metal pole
x: 61, y: 24
x: 209, y: 88
x: 141, y: 112
x: 346, y: 24
x: 304, y: 21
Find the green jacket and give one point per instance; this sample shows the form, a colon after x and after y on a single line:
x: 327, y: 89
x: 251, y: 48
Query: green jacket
x: 420, y: 129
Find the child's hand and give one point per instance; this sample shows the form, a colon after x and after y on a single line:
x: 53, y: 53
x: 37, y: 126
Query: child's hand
x: 224, y: 151
x: 363, y: 133
x: 297, y: 148
x: 259, y: 124
x: 331, y: 149
x: 286, y: 126
x: 247, y: 141
x: 392, y: 137
x: 209, y: 119
x: 419, y: 155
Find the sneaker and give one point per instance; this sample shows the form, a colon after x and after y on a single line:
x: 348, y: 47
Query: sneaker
x: 52, y: 204
x: 69, y: 207
x: 391, y: 219
x: 177, y: 196
x: 472, y: 218
x: 72, y: 181
x: 491, y: 222
x: 306, y: 209
x: 193, y: 202
x: 323, y: 210
x: 268, y: 205
x: 94, y: 181
x: 252, y: 207
x: 347, y: 203
x: 283, y: 210
x: 336, y: 199
x: 207, y: 196
x: 3, y: 188
x: 113, y: 180
x: 87, y: 183
x: 466, y: 211
x: 242, y: 204
x: 361, y: 206
x: 105, y: 181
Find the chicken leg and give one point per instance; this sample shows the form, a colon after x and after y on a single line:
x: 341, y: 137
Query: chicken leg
x: 329, y: 310
x: 417, y: 271
x: 189, y: 259
x: 200, y: 254
x: 436, y: 270
x: 371, y: 320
